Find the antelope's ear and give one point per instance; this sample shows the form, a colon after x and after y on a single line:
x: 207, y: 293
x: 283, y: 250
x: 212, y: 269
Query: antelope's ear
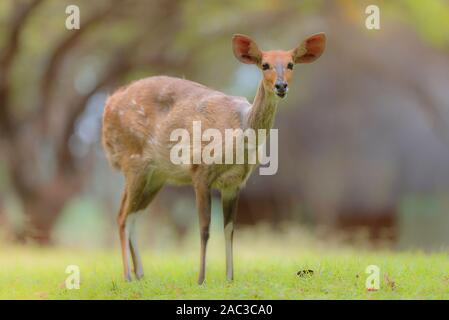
x: 310, y: 49
x: 245, y: 49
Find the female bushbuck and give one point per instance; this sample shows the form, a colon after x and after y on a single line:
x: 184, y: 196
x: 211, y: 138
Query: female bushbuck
x: 138, y: 120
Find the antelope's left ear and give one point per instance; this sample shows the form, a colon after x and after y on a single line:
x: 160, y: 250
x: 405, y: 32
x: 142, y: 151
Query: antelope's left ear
x: 310, y: 49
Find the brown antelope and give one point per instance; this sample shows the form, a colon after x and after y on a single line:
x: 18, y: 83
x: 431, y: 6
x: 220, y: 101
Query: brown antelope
x: 139, y: 118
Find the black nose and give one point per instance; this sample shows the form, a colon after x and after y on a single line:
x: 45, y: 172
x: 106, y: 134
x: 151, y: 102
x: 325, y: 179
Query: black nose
x: 281, y: 86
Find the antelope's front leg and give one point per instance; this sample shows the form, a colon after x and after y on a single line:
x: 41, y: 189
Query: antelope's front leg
x: 229, y: 201
x: 203, y: 202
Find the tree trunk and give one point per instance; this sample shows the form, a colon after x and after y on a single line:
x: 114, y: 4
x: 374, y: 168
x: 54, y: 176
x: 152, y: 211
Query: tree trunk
x: 43, y: 208
x: 41, y: 216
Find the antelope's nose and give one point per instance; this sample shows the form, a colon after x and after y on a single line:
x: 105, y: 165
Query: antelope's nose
x: 281, y: 86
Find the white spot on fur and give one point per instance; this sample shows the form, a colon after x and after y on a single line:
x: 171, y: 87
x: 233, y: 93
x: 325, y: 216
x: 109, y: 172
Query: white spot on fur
x: 141, y: 111
x: 152, y: 140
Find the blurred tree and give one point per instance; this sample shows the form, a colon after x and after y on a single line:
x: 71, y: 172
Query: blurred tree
x: 29, y: 133
x: 49, y: 74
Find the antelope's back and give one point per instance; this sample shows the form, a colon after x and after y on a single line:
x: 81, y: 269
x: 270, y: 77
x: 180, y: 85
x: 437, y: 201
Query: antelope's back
x: 139, y: 116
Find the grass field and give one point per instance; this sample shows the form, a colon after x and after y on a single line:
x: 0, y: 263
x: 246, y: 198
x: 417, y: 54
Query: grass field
x: 265, y: 267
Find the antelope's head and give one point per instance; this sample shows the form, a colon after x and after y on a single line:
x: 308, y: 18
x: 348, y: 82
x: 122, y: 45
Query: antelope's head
x: 277, y: 65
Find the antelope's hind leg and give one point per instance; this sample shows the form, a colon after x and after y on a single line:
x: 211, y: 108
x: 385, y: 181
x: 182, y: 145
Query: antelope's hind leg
x: 138, y: 195
x: 121, y: 221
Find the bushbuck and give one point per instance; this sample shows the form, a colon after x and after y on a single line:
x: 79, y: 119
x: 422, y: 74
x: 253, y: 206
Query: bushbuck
x: 139, y: 118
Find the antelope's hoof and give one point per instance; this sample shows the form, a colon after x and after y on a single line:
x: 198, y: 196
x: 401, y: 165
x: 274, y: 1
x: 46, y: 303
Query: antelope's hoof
x: 139, y: 276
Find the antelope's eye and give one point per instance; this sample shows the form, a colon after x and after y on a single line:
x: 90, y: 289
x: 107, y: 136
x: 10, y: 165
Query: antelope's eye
x: 265, y: 66
x: 290, y: 66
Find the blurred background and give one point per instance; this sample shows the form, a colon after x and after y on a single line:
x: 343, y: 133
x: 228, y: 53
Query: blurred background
x: 363, y: 134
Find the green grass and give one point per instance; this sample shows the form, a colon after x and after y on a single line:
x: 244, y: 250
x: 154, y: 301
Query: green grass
x: 265, y: 268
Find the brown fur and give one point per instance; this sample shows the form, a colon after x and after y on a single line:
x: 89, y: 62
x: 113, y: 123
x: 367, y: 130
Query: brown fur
x: 139, y: 118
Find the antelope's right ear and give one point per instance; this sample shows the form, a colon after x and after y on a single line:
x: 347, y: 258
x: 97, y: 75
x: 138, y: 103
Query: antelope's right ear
x: 246, y: 50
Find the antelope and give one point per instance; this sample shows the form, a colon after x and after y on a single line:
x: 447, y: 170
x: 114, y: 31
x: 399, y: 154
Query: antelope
x: 139, y: 118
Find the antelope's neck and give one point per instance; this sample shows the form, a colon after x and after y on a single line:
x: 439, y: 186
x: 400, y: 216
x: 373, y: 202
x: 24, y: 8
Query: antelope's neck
x: 263, y: 109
